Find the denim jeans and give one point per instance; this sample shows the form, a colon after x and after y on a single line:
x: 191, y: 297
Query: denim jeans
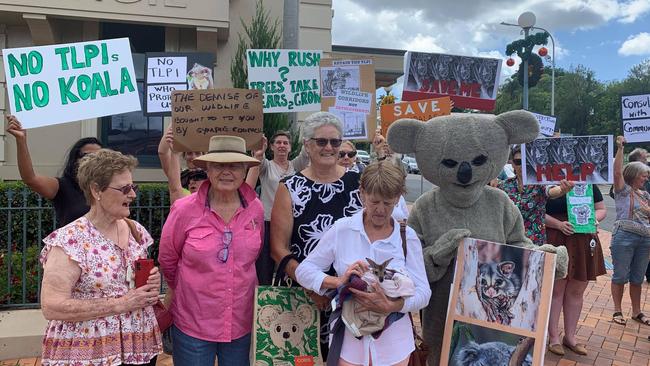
x: 190, y: 351
x: 630, y: 254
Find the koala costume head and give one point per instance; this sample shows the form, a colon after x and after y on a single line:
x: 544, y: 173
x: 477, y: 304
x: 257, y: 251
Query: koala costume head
x: 461, y: 153
x: 285, y: 326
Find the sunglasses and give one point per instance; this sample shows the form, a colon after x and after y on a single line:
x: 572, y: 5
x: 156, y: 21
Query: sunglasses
x: 322, y: 142
x: 127, y: 188
x: 516, y: 161
x: 350, y: 154
x: 226, y: 239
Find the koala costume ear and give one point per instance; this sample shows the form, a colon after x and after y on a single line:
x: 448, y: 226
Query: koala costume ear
x: 305, y: 314
x: 267, y: 315
x: 402, y: 135
x: 520, y: 126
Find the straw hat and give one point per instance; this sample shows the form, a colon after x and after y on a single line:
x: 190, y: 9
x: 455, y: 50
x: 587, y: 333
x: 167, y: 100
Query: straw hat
x: 226, y: 149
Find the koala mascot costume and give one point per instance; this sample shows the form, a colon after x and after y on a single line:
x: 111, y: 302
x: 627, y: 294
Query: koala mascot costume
x: 460, y: 154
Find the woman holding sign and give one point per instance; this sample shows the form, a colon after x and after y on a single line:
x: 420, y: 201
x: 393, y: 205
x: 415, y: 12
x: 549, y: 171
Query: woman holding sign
x: 585, y: 264
x: 631, y: 234
x: 64, y: 192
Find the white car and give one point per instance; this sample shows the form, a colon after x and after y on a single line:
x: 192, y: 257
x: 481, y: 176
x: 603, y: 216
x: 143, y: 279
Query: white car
x: 411, y: 165
x: 363, y: 156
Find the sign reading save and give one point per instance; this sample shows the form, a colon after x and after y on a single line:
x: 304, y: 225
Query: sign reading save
x: 70, y: 82
x: 422, y: 110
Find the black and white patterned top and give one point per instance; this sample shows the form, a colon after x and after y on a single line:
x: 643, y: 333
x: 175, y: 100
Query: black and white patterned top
x: 316, y: 206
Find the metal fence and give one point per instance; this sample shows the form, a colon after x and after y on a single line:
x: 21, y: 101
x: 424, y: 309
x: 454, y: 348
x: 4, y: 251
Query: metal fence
x: 26, y: 218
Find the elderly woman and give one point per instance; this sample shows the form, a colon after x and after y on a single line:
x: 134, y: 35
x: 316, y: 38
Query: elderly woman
x: 348, y: 157
x: 94, y: 318
x: 208, y: 249
x: 374, y: 234
x: 630, y: 245
x: 67, y: 198
x: 308, y: 203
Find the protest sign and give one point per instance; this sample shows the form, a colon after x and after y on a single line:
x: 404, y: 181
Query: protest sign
x: 546, y: 124
x: 60, y: 83
x: 507, y: 326
x: 290, y: 79
x: 198, y: 115
x: 471, y: 82
x: 422, y: 110
x: 166, y: 72
x: 586, y: 159
x: 348, y: 91
x: 635, y: 113
x: 581, y: 209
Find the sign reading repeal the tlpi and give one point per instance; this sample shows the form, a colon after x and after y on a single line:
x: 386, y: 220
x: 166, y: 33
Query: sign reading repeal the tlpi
x: 69, y: 82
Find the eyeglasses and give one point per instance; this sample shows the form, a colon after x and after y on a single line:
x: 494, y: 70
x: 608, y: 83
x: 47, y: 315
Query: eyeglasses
x: 516, y: 161
x: 322, y: 142
x: 127, y: 188
x: 350, y: 154
x: 226, y: 239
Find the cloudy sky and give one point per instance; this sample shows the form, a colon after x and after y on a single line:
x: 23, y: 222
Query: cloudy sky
x: 608, y: 36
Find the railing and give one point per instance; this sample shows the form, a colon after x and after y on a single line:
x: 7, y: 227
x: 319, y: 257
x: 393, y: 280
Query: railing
x: 26, y: 218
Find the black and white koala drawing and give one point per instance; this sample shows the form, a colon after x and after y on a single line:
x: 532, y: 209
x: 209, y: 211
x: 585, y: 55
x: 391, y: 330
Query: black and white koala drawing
x: 582, y: 214
x: 286, y: 328
x: 487, y: 354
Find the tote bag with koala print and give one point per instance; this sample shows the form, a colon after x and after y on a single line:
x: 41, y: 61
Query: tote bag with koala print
x: 286, y: 328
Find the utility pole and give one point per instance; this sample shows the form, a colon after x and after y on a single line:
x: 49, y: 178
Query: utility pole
x: 290, y: 37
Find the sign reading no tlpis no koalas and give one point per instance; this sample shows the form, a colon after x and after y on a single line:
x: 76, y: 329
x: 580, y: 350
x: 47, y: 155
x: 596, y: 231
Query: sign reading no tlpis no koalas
x: 69, y: 82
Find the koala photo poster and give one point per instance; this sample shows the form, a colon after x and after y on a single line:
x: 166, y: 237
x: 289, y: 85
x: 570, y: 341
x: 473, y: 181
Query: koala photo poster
x: 581, y: 209
x: 584, y: 159
x: 286, y: 328
x: 500, y: 303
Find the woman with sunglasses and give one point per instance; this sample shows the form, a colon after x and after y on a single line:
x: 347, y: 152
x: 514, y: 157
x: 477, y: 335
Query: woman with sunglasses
x: 531, y: 199
x: 95, y: 316
x: 308, y: 203
x: 64, y: 192
x: 208, y: 248
x: 348, y: 157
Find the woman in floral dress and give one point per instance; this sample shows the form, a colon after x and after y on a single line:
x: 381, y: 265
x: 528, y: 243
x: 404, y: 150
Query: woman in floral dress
x: 95, y: 318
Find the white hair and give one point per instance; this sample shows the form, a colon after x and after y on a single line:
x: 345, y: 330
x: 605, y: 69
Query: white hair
x: 318, y: 120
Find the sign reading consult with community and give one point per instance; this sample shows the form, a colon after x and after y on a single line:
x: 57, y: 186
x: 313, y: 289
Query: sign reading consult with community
x: 69, y: 82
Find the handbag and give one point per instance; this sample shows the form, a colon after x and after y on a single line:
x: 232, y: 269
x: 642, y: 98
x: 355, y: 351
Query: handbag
x: 419, y: 355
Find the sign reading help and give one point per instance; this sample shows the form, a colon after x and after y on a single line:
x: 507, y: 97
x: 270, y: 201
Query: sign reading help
x: 60, y: 83
x: 290, y: 79
x: 198, y: 115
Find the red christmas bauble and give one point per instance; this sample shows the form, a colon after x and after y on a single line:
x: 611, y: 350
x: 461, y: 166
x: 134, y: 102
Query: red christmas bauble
x: 510, y: 62
x: 542, y: 51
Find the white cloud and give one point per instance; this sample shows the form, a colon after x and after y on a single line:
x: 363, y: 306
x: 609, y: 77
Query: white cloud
x: 638, y: 44
x: 634, y: 9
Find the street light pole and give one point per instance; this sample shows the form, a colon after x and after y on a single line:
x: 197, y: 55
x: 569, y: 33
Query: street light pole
x: 526, y: 30
x: 552, y: 70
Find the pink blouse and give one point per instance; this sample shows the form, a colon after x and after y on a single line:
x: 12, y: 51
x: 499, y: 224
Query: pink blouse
x: 132, y: 337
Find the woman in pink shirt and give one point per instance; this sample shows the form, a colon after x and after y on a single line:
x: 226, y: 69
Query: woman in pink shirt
x: 208, y: 249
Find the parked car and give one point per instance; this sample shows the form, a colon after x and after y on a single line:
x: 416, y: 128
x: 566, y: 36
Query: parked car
x: 363, y: 156
x: 411, y: 165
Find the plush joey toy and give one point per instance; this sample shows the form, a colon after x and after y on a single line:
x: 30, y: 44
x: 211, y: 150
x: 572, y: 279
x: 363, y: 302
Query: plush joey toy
x: 460, y: 154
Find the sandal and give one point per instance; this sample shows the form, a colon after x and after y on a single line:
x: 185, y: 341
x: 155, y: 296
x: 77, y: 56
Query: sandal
x: 618, y: 318
x: 641, y: 318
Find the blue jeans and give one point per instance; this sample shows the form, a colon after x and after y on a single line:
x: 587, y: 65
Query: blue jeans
x: 630, y: 255
x: 190, y: 351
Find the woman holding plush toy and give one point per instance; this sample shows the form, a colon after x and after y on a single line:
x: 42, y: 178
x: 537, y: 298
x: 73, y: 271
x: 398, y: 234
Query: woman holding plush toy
x: 374, y: 235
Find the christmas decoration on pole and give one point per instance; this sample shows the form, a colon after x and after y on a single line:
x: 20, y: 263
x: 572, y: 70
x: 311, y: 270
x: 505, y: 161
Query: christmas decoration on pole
x: 510, y: 62
x: 524, y: 49
x: 543, y: 51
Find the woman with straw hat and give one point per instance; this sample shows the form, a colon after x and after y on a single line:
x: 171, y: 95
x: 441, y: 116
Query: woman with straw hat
x: 208, y: 249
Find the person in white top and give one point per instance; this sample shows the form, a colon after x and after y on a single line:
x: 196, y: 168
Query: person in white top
x: 371, y: 233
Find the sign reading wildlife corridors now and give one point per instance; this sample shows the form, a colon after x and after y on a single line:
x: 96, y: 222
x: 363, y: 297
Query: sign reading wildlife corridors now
x: 69, y: 82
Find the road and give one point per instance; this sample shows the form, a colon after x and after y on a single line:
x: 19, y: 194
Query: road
x: 415, y: 186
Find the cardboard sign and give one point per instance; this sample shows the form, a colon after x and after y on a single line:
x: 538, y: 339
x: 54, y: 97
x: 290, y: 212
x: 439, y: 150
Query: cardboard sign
x: 509, y: 327
x: 198, y: 115
x: 581, y: 209
x: 354, y: 81
x: 471, y: 82
x: 60, y: 83
x: 635, y: 114
x: 422, y: 110
x: 290, y: 79
x: 166, y: 72
x: 586, y: 159
x: 546, y: 124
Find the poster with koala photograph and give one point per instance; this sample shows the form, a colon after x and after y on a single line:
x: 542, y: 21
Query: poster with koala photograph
x: 584, y: 159
x: 505, y: 290
x: 581, y: 209
x: 286, y: 327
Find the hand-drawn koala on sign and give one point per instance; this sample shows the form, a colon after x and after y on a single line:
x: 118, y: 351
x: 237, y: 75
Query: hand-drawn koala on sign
x: 286, y: 328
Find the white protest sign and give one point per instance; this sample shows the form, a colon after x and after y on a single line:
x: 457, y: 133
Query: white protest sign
x: 159, y: 96
x: 635, y: 106
x: 353, y: 101
x: 636, y: 130
x: 354, y: 124
x: 161, y: 70
x: 289, y: 79
x: 546, y: 124
x: 60, y: 83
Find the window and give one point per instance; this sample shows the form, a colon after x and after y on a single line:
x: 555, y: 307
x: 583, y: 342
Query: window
x: 133, y: 133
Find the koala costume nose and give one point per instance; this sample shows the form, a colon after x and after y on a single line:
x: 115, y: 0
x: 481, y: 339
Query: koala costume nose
x: 464, y: 174
x: 286, y: 335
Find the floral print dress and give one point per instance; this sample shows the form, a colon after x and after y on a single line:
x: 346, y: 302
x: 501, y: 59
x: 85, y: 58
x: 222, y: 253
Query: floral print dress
x: 132, y: 337
x: 531, y: 202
